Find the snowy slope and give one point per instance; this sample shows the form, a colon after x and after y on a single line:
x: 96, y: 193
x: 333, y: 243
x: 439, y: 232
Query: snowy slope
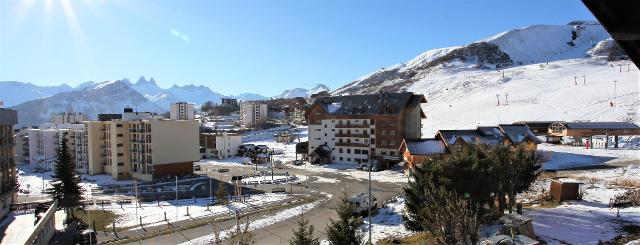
x: 13, y: 92
x: 195, y: 94
x: 529, y: 45
x: 302, y: 92
x: 107, y: 97
x: 249, y: 96
x: 466, y: 98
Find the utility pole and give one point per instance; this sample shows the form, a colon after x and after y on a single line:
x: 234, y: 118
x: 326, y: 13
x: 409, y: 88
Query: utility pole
x: 506, y: 98
x: 615, y: 93
x: 210, y: 186
x: 176, y: 198
x: 370, y: 225
x: 135, y: 184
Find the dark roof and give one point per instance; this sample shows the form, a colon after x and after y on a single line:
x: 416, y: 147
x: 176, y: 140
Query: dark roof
x: 600, y: 125
x: 535, y: 124
x: 425, y: 146
x: 621, y: 19
x: 518, y: 133
x: 369, y: 104
x: 483, y: 136
x: 8, y: 116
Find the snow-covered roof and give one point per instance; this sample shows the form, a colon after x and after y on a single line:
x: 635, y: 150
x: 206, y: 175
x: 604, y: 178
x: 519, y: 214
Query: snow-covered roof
x: 518, y: 133
x: 425, y: 146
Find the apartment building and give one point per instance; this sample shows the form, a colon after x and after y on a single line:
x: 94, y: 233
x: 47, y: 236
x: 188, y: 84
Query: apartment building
x: 219, y: 145
x: 182, y: 111
x: 8, y: 174
x: 68, y: 118
x: 141, y: 146
x: 21, y: 147
x: 253, y: 114
x: 44, y: 142
x: 357, y: 128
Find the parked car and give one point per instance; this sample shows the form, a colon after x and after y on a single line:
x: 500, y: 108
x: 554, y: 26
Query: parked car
x: 366, y: 167
x: 297, y: 162
x: 360, y: 203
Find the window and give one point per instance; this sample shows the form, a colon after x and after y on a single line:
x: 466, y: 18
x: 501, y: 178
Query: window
x: 119, y: 125
x: 357, y: 151
x: 120, y: 163
x: 373, y: 131
x: 325, y: 134
x: 384, y: 153
x: 339, y: 150
x: 348, y: 150
x: 373, y: 121
x: 348, y: 159
x: 325, y: 126
x: 392, y: 132
x: 120, y: 145
x: 119, y: 135
x: 392, y: 153
x: 340, y: 158
x: 373, y: 141
x: 365, y: 152
x: 120, y: 154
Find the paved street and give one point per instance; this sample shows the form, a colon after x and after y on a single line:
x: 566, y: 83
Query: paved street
x: 279, y: 233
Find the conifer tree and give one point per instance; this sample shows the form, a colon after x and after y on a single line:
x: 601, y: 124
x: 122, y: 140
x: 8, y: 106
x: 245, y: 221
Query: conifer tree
x: 304, y: 234
x: 345, y: 230
x: 221, y: 194
x: 66, y: 190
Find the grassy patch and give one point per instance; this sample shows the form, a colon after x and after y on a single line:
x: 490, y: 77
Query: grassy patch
x: 103, y: 218
x: 629, y: 232
x: 422, y: 238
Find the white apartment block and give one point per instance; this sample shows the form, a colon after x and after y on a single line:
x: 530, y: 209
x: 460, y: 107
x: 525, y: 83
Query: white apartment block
x: 182, y: 111
x: 358, y: 128
x: 219, y: 145
x: 142, y: 149
x: 68, y: 118
x: 43, y: 144
x: 253, y: 114
x: 22, y: 146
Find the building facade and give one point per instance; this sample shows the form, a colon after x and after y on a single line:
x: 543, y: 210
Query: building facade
x: 68, y: 118
x: 253, y: 114
x: 43, y: 144
x: 143, y: 149
x: 8, y: 174
x: 182, y: 111
x: 219, y: 145
x: 358, y: 128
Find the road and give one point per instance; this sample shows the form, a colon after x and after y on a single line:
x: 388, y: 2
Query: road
x: 319, y: 216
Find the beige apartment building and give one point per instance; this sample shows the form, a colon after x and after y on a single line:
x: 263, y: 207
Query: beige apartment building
x: 253, y: 114
x: 143, y: 149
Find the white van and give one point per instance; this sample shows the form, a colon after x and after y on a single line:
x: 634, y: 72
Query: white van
x: 360, y: 203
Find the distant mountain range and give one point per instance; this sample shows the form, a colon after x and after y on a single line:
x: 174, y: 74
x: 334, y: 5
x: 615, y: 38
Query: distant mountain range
x: 301, y: 92
x: 36, y: 103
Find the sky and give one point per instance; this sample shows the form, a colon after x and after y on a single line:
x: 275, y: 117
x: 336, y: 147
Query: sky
x: 245, y: 46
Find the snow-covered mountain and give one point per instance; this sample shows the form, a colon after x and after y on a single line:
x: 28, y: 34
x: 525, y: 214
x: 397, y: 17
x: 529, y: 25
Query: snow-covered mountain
x: 301, y: 92
x: 463, y: 84
x: 164, y: 97
x: 13, y: 92
x: 107, y: 97
x: 249, y: 96
x: 529, y: 45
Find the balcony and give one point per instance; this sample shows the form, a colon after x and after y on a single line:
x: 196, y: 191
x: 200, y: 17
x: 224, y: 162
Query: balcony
x: 352, y: 125
x: 353, y: 144
x: 365, y: 135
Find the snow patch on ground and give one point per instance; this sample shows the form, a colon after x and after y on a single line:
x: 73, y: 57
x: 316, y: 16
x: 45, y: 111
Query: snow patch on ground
x: 565, y: 157
x: 387, y: 222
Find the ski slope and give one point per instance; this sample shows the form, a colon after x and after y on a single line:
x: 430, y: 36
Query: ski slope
x: 465, y: 98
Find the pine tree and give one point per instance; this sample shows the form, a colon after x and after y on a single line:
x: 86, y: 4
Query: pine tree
x: 66, y: 190
x: 304, y: 234
x: 345, y: 230
x: 221, y: 194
